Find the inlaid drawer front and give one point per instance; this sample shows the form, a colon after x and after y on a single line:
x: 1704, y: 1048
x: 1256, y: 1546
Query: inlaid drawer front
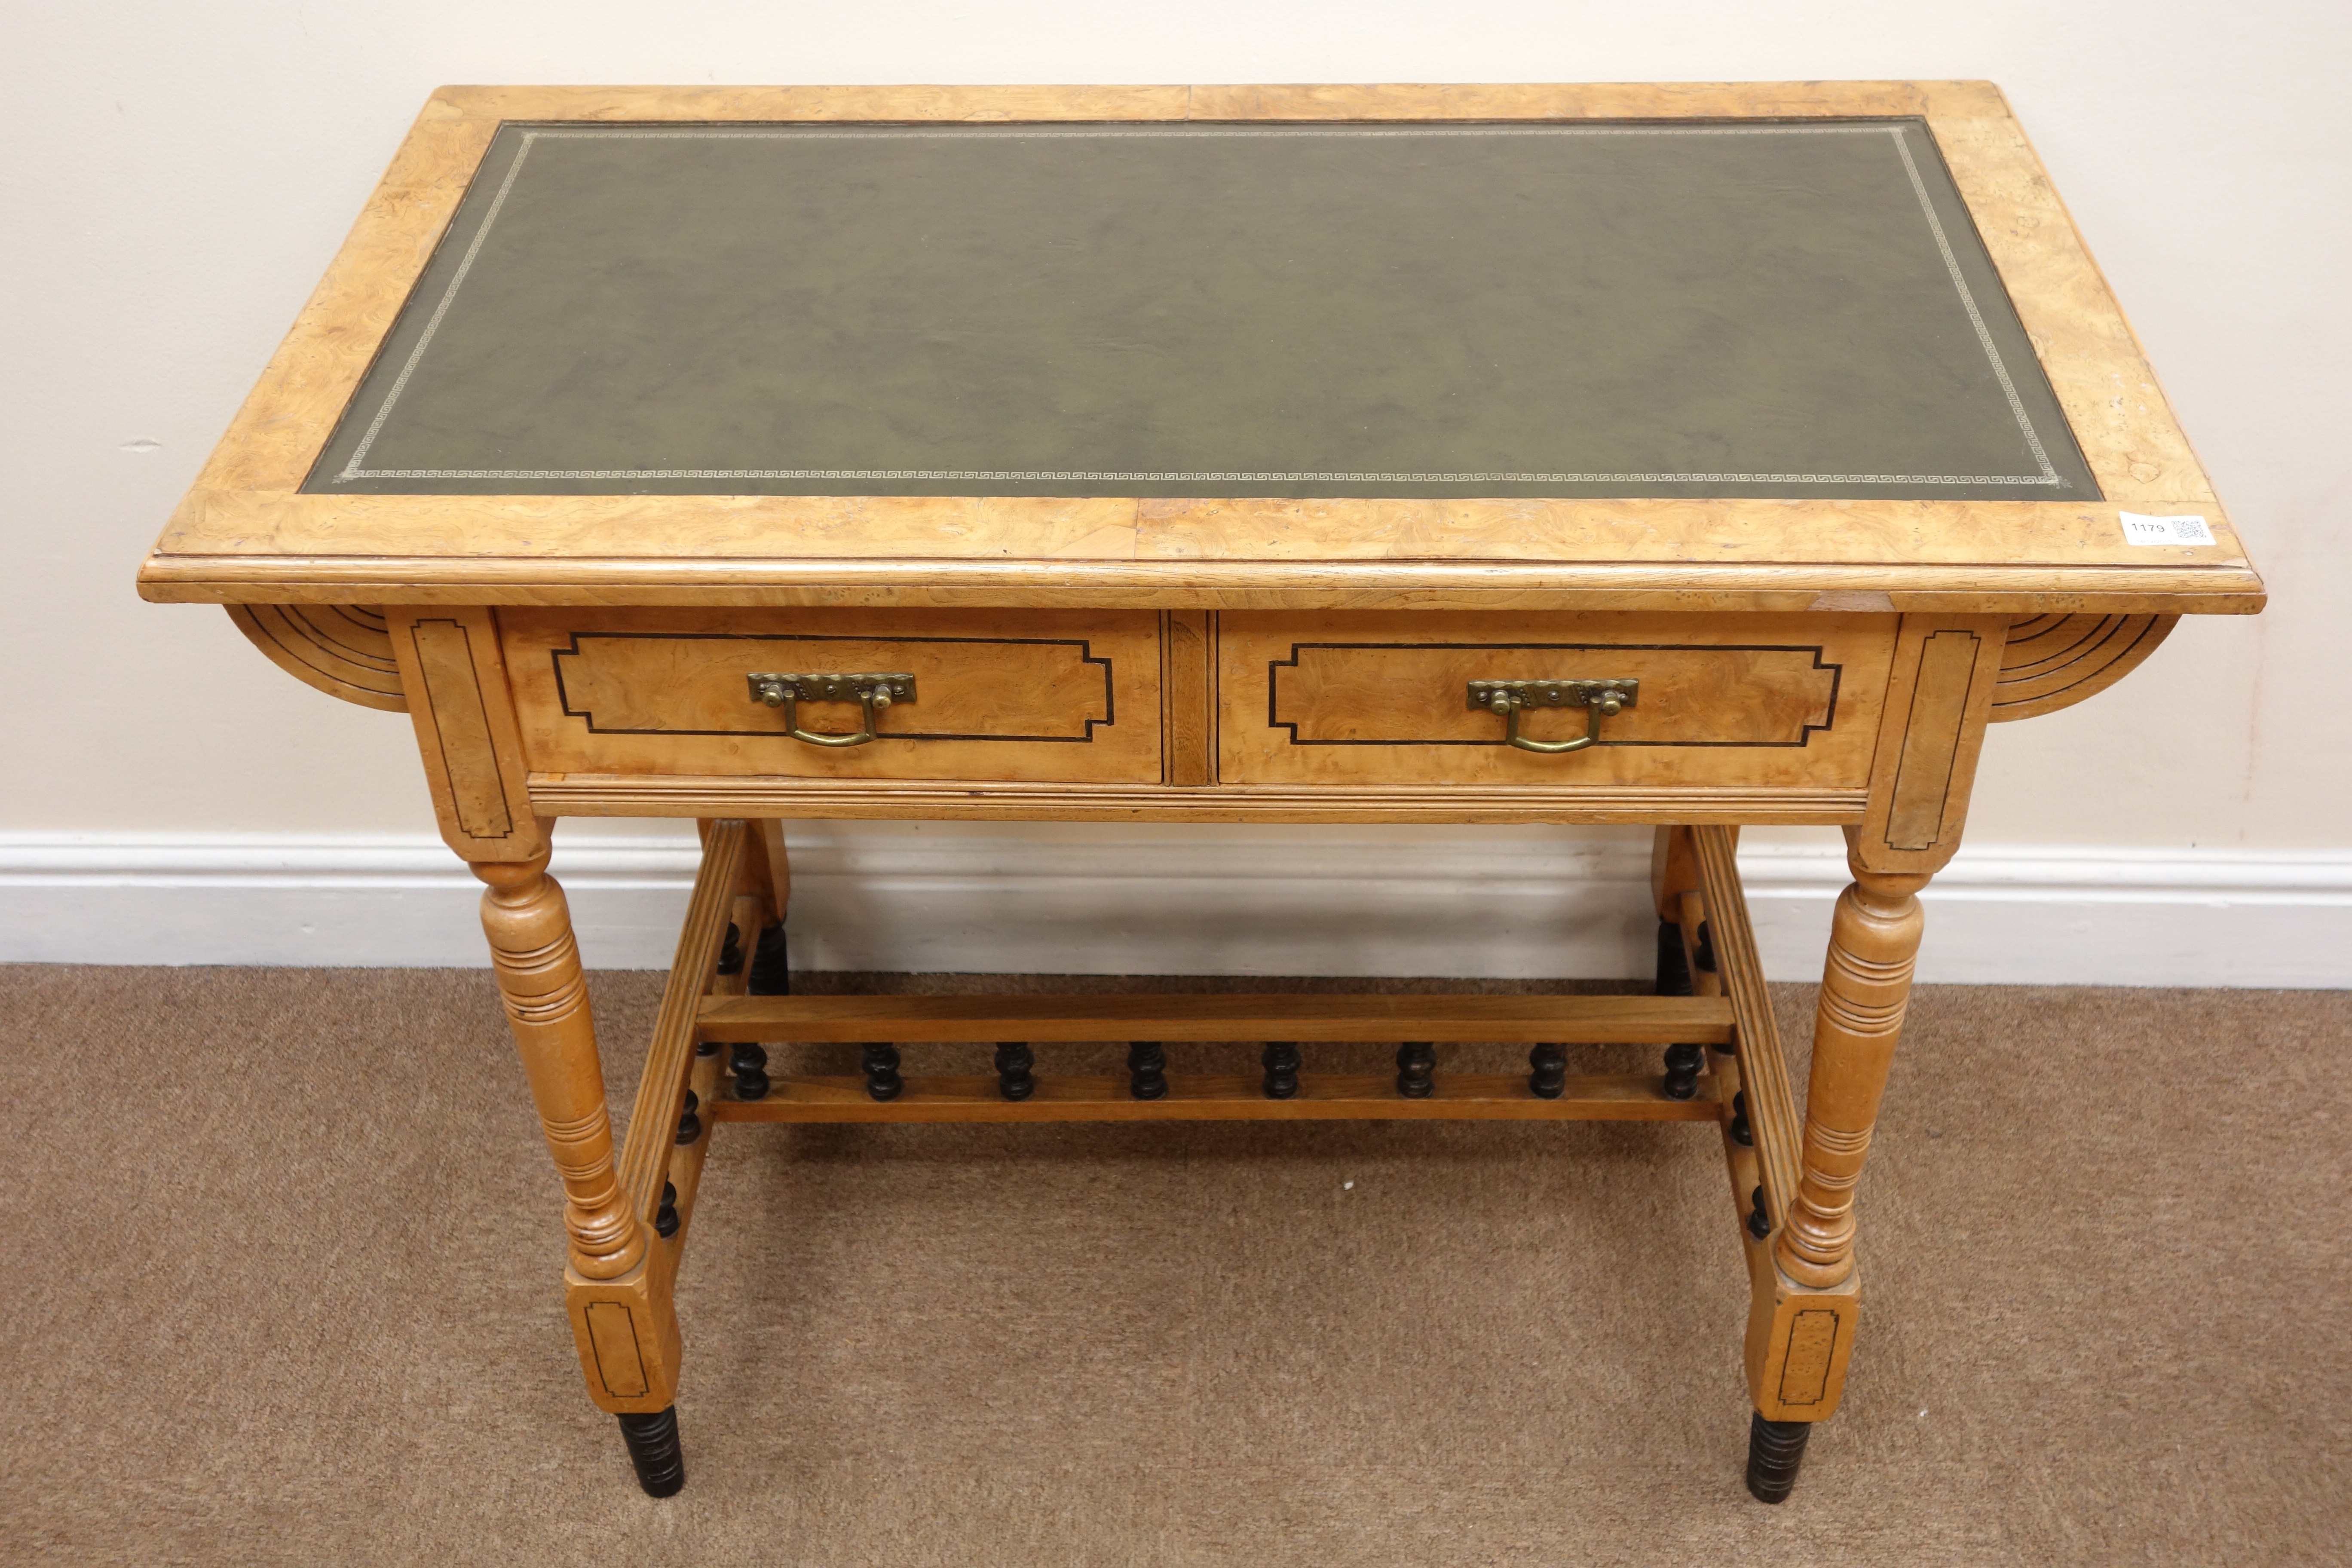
x: 1016, y: 695
x: 1364, y: 698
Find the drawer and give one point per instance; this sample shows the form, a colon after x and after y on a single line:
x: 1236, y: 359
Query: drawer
x: 1057, y: 696
x: 1345, y: 698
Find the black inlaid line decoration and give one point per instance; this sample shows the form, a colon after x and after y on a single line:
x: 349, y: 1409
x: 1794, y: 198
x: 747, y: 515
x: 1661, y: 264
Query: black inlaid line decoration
x: 1085, y: 656
x: 1836, y: 671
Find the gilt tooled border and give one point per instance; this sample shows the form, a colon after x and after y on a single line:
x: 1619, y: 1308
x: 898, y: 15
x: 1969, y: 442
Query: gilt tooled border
x: 1085, y: 656
x: 1837, y: 674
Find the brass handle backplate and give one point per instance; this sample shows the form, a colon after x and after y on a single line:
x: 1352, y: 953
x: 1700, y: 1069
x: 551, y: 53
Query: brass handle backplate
x: 869, y: 692
x: 1599, y: 699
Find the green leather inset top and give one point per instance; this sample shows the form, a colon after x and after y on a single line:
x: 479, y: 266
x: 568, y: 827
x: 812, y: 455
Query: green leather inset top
x: 1762, y: 308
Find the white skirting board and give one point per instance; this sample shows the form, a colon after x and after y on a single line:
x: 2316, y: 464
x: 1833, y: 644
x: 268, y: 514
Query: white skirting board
x: 1159, y: 900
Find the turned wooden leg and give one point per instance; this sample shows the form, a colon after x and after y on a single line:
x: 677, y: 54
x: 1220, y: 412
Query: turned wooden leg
x: 617, y: 1288
x: 1865, y: 987
x: 546, y: 1000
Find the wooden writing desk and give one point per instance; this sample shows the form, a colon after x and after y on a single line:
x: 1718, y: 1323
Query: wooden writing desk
x: 1687, y: 456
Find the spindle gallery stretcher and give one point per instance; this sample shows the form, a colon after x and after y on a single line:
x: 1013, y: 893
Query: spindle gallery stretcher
x: 1684, y: 455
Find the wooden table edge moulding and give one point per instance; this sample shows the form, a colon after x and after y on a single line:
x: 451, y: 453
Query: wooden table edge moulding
x: 1955, y: 613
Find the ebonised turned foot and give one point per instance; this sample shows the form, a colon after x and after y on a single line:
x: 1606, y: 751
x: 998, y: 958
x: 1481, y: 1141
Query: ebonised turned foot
x: 1547, y: 1071
x: 1703, y: 949
x: 1014, y: 1078
x: 1147, y: 1070
x: 1280, y: 1059
x: 1682, y: 1063
x: 881, y: 1065
x: 749, y: 1063
x: 771, y: 966
x: 654, y: 1450
x: 1416, y: 1070
x: 1673, y: 963
x: 1775, y: 1449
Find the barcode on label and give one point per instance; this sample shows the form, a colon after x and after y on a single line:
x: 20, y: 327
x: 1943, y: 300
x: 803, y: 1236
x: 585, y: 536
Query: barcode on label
x: 2185, y: 528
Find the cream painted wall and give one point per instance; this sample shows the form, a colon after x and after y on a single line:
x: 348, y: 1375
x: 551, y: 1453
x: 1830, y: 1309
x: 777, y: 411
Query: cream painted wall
x: 176, y: 177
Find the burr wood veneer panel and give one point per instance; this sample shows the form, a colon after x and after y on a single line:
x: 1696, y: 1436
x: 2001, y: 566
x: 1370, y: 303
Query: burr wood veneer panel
x: 1342, y: 698
x: 1043, y: 696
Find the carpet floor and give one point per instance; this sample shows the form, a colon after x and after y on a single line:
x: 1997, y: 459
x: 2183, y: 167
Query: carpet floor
x: 281, y: 1284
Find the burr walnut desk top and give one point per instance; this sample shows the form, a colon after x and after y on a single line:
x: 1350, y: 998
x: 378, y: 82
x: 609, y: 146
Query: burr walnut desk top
x: 1644, y: 347
x: 1683, y: 454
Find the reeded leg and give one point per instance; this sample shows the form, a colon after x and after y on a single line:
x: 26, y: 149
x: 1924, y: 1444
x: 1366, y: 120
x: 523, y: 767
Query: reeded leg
x: 1775, y: 1449
x: 546, y: 997
x: 652, y: 1440
x: 1865, y: 988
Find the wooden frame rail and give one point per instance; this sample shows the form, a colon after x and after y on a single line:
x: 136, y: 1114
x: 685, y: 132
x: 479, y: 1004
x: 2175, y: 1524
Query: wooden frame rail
x: 703, y: 1010
x: 1210, y: 1015
x: 1763, y: 1070
x: 1226, y: 1097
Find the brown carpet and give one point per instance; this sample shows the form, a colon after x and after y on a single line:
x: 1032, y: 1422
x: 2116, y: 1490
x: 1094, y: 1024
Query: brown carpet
x: 281, y: 1266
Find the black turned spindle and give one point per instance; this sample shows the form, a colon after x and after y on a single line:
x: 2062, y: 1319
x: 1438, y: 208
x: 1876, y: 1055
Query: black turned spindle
x: 1147, y: 1070
x: 882, y: 1079
x: 1682, y: 1063
x: 689, y: 1126
x: 665, y: 1216
x: 1775, y: 1449
x: 1280, y: 1059
x: 771, y: 968
x: 1674, y: 962
x: 706, y: 1047
x: 730, y: 951
x: 1759, y: 1224
x: 1547, y: 1071
x: 1703, y: 951
x: 653, y: 1448
x: 1013, y: 1079
x: 749, y: 1063
x: 1741, y: 1133
x: 1416, y: 1070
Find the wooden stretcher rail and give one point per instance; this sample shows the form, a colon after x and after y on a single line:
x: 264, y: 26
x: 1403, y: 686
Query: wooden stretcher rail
x: 1438, y: 1019
x: 683, y: 1171
x: 1220, y: 1097
x: 1763, y: 1069
x: 661, y: 1092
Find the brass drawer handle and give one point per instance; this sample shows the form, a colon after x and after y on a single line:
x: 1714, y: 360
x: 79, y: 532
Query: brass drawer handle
x: 869, y: 692
x: 1599, y: 699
